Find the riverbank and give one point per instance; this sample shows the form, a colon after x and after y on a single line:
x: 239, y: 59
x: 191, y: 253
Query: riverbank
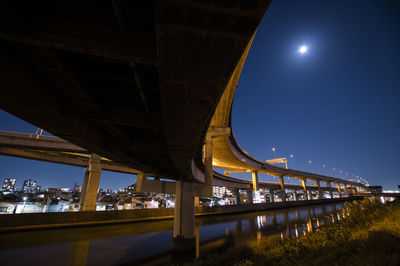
x: 53, y: 220
x: 370, y: 235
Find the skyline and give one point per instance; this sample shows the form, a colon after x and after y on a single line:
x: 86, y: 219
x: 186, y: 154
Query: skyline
x: 335, y: 105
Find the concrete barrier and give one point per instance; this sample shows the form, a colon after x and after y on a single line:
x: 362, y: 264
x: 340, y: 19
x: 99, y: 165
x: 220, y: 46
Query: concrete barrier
x: 39, y: 221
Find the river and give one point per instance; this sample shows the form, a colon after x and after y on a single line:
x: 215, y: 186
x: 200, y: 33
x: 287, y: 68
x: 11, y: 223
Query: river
x: 150, y: 242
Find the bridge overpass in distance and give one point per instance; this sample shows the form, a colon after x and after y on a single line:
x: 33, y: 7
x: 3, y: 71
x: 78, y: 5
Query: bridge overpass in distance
x: 145, y: 84
x: 56, y: 150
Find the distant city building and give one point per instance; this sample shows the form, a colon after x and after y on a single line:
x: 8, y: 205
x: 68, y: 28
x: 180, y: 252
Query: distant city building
x: 30, y: 186
x: 9, y: 185
x: 59, y: 193
x: 131, y: 188
x: 219, y: 192
x: 77, y: 188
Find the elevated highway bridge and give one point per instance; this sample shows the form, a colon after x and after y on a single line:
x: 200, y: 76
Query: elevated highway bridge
x: 56, y: 150
x: 146, y: 84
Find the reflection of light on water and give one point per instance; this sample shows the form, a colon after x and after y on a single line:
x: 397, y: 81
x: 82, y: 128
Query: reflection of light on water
x: 309, y: 226
x: 260, y: 221
x: 383, y: 200
x: 296, y: 231
x: 258, y: 236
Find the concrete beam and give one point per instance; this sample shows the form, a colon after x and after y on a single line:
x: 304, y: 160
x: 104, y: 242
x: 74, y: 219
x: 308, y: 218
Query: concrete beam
x: 130, y: 50
x: 33, y: 141
x: 68, y: 158
x: 250, y: 196
x: 235, y: 171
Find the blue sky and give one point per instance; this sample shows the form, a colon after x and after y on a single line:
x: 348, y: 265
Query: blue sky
x: 336, y: 105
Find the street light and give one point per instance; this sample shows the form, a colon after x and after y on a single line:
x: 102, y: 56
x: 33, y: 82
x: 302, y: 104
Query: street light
x: 310, y: 162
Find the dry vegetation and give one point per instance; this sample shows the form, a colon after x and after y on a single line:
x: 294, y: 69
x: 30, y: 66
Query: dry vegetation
x: 370, y: 235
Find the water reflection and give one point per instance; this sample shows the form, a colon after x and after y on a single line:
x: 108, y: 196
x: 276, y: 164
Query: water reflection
x: 150, y: 242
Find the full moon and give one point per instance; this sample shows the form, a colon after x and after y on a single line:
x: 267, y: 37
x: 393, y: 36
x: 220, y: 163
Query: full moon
x: 303, y: 49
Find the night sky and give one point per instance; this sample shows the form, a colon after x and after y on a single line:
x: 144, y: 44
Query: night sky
x: 336, y: 105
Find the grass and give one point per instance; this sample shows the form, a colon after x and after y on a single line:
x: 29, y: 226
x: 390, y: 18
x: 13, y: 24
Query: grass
x: 370, y: 235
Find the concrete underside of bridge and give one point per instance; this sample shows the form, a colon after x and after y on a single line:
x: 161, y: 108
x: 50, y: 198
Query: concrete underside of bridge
x: 134, y: 81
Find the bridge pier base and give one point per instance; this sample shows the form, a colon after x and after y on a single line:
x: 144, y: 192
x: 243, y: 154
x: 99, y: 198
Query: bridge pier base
x: 184, y: 238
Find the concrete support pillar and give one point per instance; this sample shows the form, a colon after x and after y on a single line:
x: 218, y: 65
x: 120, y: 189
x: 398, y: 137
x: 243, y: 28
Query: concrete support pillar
x: 237, y: 196
x: 320, y: 192
x: 304, y: 185
x: 294, y: 195
x: 197, y: 233
x: 339, y: 190
x: 282, y: 183
x: 309, y: 195
x: 84, y: 189
x: 330, y: 189
x: 254, y: 177
x: 271, y: 195
x: 249, y: 196
x: 91, y: 184
x: 184, y: 239
x: 139, y: 181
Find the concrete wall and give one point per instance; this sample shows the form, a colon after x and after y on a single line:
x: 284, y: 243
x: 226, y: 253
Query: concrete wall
x: 36, y: 221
